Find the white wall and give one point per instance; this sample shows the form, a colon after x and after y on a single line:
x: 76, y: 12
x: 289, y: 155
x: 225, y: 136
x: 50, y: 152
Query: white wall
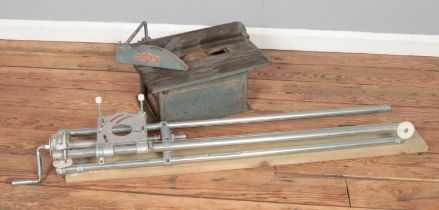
x: 383, y: 16
x: 397, y: 27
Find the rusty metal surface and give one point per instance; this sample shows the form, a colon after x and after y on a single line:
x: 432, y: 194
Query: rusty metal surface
x: 217, y: 98
x: 228, y: 49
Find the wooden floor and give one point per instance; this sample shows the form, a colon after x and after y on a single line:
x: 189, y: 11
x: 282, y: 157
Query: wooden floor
x: 49, y: 85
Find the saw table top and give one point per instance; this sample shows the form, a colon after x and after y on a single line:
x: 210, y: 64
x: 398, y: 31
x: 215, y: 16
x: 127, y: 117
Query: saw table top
x: 228, y: 52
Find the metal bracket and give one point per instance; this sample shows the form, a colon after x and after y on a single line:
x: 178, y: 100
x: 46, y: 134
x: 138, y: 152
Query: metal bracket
x: 134, y: 124
x: 167, y: 139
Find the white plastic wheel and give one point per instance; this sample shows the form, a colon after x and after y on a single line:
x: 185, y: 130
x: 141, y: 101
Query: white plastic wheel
x: 405, y: 130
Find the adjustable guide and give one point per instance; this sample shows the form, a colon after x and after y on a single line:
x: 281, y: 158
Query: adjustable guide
x: 129, y: 134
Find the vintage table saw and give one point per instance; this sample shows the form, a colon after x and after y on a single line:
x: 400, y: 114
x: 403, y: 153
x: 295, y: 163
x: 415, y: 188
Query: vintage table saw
x: 200, y: 74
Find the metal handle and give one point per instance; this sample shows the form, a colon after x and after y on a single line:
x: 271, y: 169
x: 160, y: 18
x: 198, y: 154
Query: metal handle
x: 145, y: 29
x: 39, y: 169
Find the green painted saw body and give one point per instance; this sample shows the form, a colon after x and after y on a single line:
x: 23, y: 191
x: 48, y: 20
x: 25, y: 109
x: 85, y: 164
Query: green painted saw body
x: 149, y: 55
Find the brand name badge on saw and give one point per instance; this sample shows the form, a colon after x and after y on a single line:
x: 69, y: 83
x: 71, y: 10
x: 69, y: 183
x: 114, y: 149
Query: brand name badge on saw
x: 147, y: 57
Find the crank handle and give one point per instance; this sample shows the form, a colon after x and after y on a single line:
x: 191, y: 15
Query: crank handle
x: 39, y: 169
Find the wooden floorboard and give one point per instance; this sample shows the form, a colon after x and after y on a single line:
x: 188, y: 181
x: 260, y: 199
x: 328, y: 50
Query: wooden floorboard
x: 61, y: 60
x: 69, y: 99
x: 57, y: 47
x: 394, y: 194
x: 31, y: 197
x: 260, y: 184
x: 411, y: 167
x: 346, y: 93
x: 413, y: 63
x: 347, y: 75
x: 74, y: 79
x: 45, y: 86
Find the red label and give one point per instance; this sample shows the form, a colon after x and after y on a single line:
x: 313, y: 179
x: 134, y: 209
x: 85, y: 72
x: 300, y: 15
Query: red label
x: 147, y: 57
